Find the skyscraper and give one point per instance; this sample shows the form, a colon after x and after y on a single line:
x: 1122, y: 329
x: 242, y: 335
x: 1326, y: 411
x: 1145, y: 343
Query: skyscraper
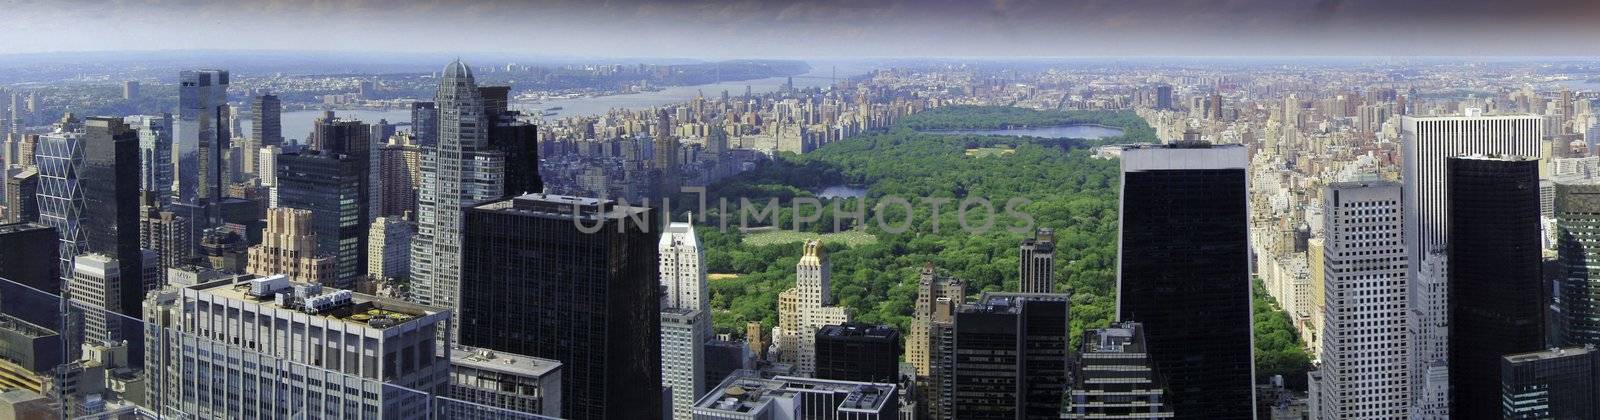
x: 1037, y: 259
x: 453, y: 179
x: 25, y: 256
x: 685, y: 316
x: 1011, y: 354
x: 684, y: 332
x: 328, y: 186
x: 1429, y: 142
x: 266, y: 120
x: 1164, y: 97
x: 130, y: 89
x: 934, y: 292
x: 289, y: 247
x: 155, y: 155
x: 1428, y: 328
x: 109, y: 182
x: 399, y: 174
x: 805, y: 308
x: 22, y: 196
x: 1184, y: 272
x: 167, y: 234
x: 571, y: 279
x: 389, y: 249
x: 859, y: 353
x: 1577, y: 224
x: 425, y: 123
x: 96, y: 290
x: 514, y: 142
x: 1495, y: 284
x: 201, y: 134
x: 60, y: 160
x: 1114, y: 377
x: 1559, y: 383
x: 1364, y: 354
x: 284, y: 349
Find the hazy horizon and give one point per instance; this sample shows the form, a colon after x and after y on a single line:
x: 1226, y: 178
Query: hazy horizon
x: 818, y: 29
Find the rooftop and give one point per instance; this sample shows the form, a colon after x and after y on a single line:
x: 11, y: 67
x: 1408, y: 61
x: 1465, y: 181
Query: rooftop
x: 515, y: 364
x: 27, y: 329
x: 313, y: 299
x: 1009, y: 302
x: 564, y: 206
x: 858, y: 330
x: 1550, y: 354
x: 1499, y: 157
x: 746, y: 392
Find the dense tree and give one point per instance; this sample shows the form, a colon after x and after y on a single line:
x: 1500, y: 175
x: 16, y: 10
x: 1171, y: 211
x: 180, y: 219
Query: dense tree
x: 1068, y: 189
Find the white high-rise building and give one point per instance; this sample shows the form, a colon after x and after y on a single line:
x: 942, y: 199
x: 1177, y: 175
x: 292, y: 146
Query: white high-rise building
x: 1429, y: 335
x: 685, y: 317
x: 1365, y: 371
x: 267, y: 171
x: 454, y: 176
x: 805, y: 308
x: 683, y: 270
x: 1430, y: 142
x: 96, y: 290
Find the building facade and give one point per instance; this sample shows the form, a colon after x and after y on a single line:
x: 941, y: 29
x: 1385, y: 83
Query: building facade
x: 1184, y: 272
x: 1115, y: 379
x: 591, y: 298
x: 249, y: 348
x: 453, y: 179
x: 1037, y: 262
x: 1559, y: 383
x: 858, y: 353
x: 805, y: 308
x: 289, y: 247
x: 1364, y: 352
x: 1011, y: 353
x: 1495, y: 281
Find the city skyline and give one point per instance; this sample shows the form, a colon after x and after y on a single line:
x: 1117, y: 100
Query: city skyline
x: 823, y: 28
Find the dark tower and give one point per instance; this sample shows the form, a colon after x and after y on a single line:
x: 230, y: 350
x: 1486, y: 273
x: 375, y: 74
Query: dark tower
x: 572, y: 279
x: 1184, y: 273
x: 109, y: 181
x: 1495, y: 287
x: 858, y: 353
x: 266, y: 120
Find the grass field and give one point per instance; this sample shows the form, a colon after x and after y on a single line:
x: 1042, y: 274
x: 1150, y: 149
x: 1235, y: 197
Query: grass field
x: 721, y: 276
x: 991, y: 151
x: 773, y: 237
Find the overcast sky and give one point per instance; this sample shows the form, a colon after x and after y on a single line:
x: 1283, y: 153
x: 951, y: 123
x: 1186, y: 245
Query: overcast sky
x: 815, y: 28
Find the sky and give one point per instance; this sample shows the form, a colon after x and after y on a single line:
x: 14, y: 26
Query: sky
x: 816, y: 28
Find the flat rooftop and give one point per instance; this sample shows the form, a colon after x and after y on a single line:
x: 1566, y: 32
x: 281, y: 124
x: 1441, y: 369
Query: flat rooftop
x: 499, y: 361
x: 563, y: 206
x: 747, y: 392
x: 373, y: 311
x: 1549, y: 354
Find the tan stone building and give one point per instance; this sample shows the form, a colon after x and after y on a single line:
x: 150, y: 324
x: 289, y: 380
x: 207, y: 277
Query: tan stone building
x: 289, y: 247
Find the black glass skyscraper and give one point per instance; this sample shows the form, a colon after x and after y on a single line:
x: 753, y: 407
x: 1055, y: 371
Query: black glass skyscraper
x: 1495, y: 288
x: 1577, y: 210
x: 1010, y: 357
x: 515, y: 140
x: 109, y: 180
x: 858, y: 353
x: 571, y: 279
x: 1184, y: 272
x: 330, y: 187
x: 1551, y: 384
